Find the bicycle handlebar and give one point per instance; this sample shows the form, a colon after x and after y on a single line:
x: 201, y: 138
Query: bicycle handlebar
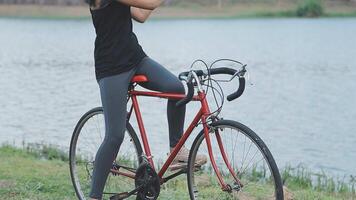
x: 221, y: 70
x: 239, y: 91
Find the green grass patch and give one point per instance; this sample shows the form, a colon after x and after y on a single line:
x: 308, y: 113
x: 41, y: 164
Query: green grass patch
x: 305, y: 184
x: 42, y: 172
x: 28, y: 174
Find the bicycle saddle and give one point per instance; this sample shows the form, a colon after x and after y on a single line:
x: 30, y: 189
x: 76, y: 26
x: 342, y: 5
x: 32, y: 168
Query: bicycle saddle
x: 139, y: 79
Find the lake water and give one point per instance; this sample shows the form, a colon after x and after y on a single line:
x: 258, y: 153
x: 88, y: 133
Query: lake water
x: 302, y: 101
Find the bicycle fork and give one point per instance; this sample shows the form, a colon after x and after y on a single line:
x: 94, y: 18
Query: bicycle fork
x: 223, y: 185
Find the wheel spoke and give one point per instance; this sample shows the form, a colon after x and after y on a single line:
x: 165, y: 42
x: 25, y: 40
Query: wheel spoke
x: 251, y: 161
x: 245, y: 156
x: 89, y: 137
x: 244, y: 152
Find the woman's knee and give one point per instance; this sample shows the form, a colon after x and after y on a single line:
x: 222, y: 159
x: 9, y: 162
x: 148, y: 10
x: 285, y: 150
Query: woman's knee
x: 114, y: 137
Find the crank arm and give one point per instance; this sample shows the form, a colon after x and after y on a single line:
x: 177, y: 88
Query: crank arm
x: 124, y: 167
x: 182, y: 171
x: 125, y: 195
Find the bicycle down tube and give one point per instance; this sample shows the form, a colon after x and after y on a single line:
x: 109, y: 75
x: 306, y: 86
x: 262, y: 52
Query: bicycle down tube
x: 202, y: 114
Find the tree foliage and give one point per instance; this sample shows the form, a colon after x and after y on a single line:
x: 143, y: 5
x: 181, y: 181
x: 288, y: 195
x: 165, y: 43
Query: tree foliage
x: 310, y: 8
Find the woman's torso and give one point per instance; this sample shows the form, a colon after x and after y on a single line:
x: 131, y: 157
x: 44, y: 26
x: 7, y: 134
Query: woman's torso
x: 116, y: 47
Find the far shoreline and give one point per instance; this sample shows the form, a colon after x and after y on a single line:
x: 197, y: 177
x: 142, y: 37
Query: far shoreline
x: 238, y: 11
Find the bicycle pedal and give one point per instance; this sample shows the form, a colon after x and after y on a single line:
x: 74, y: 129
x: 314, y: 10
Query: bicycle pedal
x: 178, y: 166
x: 120, y: 196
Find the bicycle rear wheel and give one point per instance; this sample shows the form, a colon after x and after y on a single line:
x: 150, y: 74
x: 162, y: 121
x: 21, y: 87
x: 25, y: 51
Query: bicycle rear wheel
x: 87, y: 137
x: 249, y: 158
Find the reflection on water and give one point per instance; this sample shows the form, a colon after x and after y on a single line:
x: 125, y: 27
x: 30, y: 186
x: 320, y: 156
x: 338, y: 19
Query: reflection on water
x: 302, y: 102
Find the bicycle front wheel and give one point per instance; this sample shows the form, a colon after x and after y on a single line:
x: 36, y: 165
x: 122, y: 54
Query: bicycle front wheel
x: 253, y: 173
x: 86, y: 140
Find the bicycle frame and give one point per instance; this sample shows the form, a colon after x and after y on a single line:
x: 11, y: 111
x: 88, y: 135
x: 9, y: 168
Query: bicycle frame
x: 202, y: 116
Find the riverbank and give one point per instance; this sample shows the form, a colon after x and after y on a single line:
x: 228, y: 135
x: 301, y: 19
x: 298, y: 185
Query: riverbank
x: 184, y: 11
x: 43, y: 173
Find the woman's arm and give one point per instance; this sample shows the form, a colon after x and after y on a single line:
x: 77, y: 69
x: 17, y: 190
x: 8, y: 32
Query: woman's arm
x: 145, y: 4
x: 139, y: 14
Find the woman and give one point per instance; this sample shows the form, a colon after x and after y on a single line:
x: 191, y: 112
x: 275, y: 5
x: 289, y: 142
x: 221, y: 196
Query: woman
x: 118, y: 57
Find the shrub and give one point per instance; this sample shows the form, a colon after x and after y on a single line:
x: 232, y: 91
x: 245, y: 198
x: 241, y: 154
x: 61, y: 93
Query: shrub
x: 310, y: 8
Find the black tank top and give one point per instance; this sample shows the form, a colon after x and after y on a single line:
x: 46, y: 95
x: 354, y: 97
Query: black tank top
x: 116, y: 47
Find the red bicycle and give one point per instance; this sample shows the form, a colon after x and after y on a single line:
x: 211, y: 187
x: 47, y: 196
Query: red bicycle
x: 240, y: 166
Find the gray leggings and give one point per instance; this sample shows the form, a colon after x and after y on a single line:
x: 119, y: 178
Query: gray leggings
x: 113, y: 92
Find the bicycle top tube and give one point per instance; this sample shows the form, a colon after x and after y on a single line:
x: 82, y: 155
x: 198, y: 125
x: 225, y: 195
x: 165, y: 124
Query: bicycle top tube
x: 161, y: 95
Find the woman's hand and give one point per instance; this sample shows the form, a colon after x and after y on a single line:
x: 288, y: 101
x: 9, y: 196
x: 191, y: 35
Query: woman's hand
x: 140, y: 14
x: 144, y: 4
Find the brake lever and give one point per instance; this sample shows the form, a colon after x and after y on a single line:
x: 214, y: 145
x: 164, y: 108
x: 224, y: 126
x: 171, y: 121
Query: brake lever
x: 243, y: 71
x: 197, y: 81
x: 240, y: 73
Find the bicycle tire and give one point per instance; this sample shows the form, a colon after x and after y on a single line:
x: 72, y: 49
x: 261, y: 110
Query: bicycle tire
x: 73, y: 148
x: 193, y: 192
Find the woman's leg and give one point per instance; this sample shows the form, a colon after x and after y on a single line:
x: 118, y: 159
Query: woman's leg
x: 160, y: 79
x: 113, y: 91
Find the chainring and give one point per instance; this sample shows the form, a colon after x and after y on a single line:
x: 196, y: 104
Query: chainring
x: 147, y: 178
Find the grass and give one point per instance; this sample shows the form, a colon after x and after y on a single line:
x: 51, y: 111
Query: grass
x: 29, y: 174
x: 305, y: 184
x: 39, y: 172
